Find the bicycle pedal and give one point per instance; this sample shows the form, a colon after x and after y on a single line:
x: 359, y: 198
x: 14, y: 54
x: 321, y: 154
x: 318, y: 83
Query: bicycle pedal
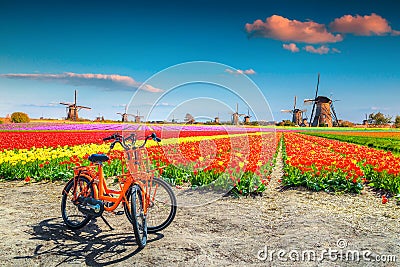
x: 119, y: 213
x: 108, y: 204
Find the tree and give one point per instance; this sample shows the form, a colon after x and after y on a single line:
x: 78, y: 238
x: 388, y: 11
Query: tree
x: 379, y: 118
x: 286, y: 123
x: 189, y: 118
x: 19, y: 117
x: 397, y: 122
x: 346, y: 124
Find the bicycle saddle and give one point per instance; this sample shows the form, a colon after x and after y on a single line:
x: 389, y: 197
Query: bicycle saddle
x: 98, y: 158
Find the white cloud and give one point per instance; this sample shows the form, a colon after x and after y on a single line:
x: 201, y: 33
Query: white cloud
x: 362, y: 25
x: 47, y: 105
x: 107, y: 81
x: 311, y: 33
x: 238, y: 71
x: 291, y: 47
x: 284, y: 29
x: 320, y: 50
x: 119, y: 106
x: 148, y: 104
x: 379, y: 108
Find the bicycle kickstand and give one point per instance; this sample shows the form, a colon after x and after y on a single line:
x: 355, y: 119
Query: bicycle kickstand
x: 105, y: 221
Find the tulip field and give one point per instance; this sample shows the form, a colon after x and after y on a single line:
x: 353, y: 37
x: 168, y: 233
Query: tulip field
x: 331, y: 165
x: 389, y: 140
x: 194, y: 156
x: 190, y: 155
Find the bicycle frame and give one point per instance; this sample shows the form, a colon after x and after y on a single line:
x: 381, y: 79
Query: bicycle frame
x: 101, y: 191
x: 138, y: 174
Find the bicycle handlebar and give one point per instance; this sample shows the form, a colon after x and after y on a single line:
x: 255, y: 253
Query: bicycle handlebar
x: 154, y: 137
x: 121, y: 140
x: 114, y: 136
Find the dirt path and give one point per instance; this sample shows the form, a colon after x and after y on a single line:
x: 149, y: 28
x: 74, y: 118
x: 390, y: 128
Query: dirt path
x: 225, y: 232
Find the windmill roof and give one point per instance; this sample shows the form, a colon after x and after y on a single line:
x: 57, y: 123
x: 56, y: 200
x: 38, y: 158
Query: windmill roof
x: 323, y: 99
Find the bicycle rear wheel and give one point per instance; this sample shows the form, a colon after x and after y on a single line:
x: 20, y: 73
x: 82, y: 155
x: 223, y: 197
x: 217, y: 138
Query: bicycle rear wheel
x: 72, y: 216
x: 138, y: 217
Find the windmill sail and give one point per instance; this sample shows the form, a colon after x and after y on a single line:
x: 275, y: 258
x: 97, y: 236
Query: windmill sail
x: 334, y: 115
x: 72, y: 109
x: 315, y: 98
x: 297, y: 114
x: 124, y: 116
x: 236, y: 116
x: 323, y: 112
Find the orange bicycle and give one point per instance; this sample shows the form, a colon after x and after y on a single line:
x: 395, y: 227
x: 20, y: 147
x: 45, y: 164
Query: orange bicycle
x: 149, y: 202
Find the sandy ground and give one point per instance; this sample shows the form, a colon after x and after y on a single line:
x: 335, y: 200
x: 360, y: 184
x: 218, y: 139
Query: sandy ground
x: 289, y: 225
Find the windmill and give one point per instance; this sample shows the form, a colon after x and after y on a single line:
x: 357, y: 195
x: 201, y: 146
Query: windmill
x: 297, y: 118
x: 366, y: 121
x: 138, y: 117
x: 125, y: 114
x: 72, y: 109
x: 189, y: 118
x: 236, y: 116
x: 324, y: 110
x: 247, y: 117
x: 173, y: 119
x: 216, y: 119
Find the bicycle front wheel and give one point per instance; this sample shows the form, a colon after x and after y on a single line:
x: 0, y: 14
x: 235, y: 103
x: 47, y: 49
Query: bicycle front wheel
x: 161, y: 210
x: 70, y: 212
x: 138, y: 217
x: 162, y: 207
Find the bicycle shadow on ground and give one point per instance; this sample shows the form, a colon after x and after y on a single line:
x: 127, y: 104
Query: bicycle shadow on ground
x: 90, y: 245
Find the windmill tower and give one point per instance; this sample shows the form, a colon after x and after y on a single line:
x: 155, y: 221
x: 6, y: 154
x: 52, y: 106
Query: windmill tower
x: 297, y: 118
x: 138, y: 117
x: 324, y: 110
x: 72, y: 109
x: 216, y: 119
x: 125, y: 114
x: 247, y: 118
x: 174, y: 120
x: 236, y: 116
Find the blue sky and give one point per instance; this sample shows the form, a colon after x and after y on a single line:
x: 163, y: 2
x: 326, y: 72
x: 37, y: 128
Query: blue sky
x: 106, y: 50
